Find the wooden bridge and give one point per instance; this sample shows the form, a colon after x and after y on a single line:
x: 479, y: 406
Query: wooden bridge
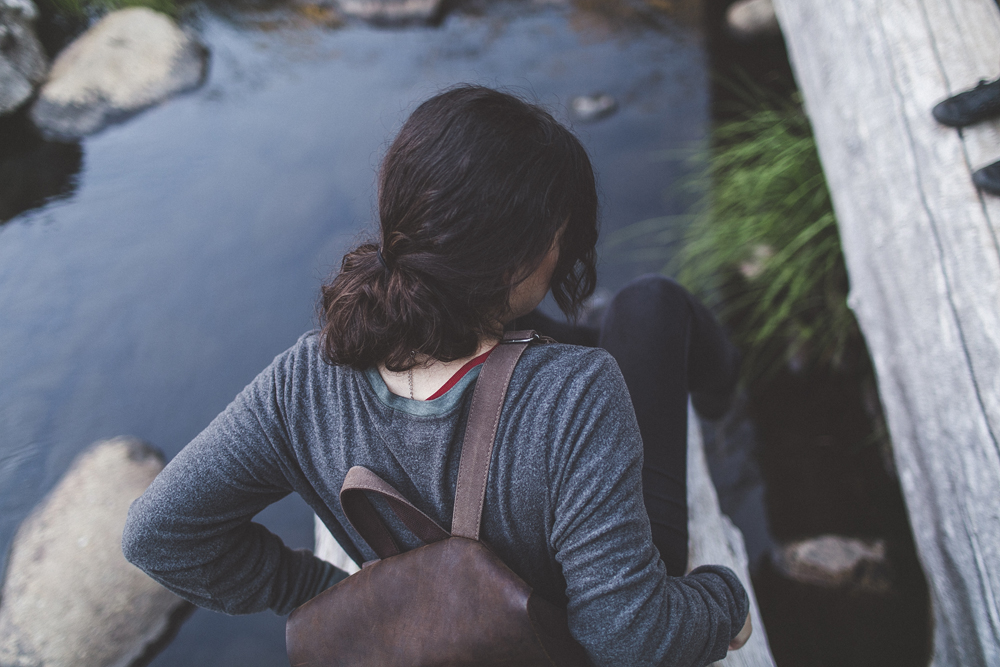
x: 923, y: 254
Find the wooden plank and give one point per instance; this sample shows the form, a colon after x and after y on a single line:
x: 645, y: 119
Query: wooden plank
x: 714, y: 540
x: 923, y: 256
x: 327, y: 548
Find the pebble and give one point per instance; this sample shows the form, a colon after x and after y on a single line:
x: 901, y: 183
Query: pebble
x: 392, y: 11
x: 588, y: 108
x: 751, y: 19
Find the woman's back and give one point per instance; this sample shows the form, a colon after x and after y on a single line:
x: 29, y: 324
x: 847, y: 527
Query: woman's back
x: 563, y: 507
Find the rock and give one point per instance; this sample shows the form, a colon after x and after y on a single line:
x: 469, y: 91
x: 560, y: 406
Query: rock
x: 831, y: 561
x: 393, y: 11
x: 70, y: 599
x: 22, y: 61
x: 129, y: 60
x: 754, y: 266
x: 750, y: 19
x: 593, y: 107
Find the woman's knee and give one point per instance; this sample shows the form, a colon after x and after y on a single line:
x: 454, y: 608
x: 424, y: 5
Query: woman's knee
x: 650, y: 300
x: 655, y: 287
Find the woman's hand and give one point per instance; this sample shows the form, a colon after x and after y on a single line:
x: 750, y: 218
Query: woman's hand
x: 741, y: 639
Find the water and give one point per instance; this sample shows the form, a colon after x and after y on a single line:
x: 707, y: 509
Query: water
x: 178, y: 252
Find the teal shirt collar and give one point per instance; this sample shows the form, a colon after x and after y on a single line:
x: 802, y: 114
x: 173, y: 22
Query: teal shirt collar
x: 439, y: 406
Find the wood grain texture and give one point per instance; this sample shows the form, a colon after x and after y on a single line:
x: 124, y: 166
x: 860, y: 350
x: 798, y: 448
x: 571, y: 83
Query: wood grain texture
x: 923, y: 255
x: 714, y: 540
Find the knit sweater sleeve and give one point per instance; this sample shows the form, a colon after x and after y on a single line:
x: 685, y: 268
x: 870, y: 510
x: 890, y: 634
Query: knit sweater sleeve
x: 622, y: 605
x: 192, y: 530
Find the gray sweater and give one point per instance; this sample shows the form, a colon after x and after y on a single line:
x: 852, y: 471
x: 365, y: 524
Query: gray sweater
x: 564, y: 504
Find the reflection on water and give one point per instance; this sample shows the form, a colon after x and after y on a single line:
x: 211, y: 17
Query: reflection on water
x: 191, y: 250
x: 33, y: 171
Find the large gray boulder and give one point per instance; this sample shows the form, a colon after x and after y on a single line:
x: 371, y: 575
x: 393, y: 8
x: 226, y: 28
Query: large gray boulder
x: 70, y: 599
x: 392, y: 11
x: 131, y: 59
x: 22, y: 62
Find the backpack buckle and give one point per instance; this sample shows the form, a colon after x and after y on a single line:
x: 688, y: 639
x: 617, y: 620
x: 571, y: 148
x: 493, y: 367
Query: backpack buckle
x: 533, y: 337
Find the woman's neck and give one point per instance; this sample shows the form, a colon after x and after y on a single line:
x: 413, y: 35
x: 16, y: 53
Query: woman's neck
x: 428, y: 375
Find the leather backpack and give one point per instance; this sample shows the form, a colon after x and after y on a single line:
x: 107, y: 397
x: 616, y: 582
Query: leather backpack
x: 451, y: 601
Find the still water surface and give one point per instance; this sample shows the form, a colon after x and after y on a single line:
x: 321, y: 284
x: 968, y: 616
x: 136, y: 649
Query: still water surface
x: 195, y: 238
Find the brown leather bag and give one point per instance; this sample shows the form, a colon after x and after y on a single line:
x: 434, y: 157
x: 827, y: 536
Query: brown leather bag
x: 451, y: 601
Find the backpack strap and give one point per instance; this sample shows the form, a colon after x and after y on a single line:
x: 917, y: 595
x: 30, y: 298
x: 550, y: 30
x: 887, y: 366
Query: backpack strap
x: 368, y: 523
x: 484, y: 417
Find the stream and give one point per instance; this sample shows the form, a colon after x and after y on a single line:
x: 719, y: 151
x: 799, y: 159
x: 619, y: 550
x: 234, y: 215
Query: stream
x: 148, y: 272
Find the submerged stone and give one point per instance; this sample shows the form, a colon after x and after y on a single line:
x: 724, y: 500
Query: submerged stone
x: 750, y: 19
x: 832, y: 561
x: 130, y: 60
x: 22, y: 61
x: 392, y: 11
x: 593, y: 107
x: 70, y: 599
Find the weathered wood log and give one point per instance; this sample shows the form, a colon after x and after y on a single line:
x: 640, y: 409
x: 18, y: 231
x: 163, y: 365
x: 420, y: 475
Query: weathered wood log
x: 923, y: 254
x: 713, y: 540
x: 326, y: 547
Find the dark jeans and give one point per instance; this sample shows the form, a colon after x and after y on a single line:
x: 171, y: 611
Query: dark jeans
x: 667, y: 344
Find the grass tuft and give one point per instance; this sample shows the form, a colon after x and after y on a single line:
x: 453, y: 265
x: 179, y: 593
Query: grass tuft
x: 762, y: 247
x: 765, y: 249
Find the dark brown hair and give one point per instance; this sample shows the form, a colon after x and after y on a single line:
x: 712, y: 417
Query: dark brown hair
x: 472, y: 193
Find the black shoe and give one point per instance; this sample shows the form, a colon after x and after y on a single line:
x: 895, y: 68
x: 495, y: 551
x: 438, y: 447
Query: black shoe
x: 987, y: 179
x: 971, y: 106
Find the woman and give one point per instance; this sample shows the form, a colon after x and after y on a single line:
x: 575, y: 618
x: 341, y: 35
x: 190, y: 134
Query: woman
x: 485, y: 204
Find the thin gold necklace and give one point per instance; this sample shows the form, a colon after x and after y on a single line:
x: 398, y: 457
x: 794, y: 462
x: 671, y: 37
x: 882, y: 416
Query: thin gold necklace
x: 411, y: 384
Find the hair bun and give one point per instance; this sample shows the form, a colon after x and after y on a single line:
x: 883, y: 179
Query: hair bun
x: 472, y: 194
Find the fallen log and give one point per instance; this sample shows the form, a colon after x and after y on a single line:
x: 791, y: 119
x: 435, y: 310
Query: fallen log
x: 922, y: 248
x: 713, y: 539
